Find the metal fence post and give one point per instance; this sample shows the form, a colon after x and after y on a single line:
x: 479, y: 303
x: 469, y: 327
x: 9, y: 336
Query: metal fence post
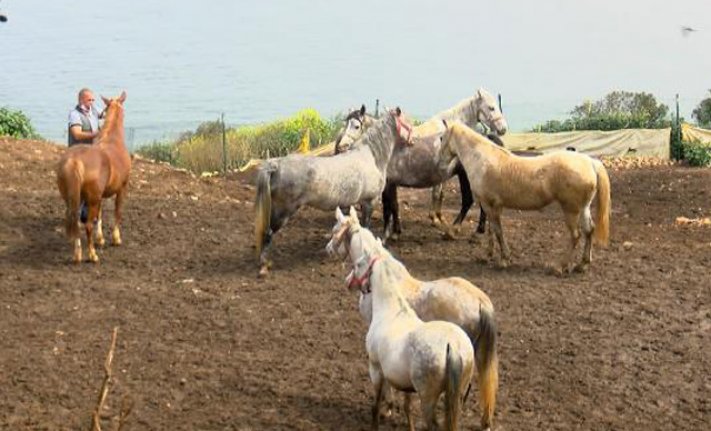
x: 501, y: 107
x: 377, y: 107
x: 224, y: 146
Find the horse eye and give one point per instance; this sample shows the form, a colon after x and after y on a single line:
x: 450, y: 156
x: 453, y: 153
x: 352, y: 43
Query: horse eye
x: 492, y: 109
x: 357, y: 127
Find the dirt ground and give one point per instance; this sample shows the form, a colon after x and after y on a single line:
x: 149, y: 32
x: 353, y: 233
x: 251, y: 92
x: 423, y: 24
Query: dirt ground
x: 203, y: 344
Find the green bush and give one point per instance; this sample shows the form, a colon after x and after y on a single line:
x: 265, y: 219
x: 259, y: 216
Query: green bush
x: 617, y: 110
x: 159, y: 151
x: 696, y: 153
x: 201, y: 150
x: 702, y: 113
x: 16, y: 124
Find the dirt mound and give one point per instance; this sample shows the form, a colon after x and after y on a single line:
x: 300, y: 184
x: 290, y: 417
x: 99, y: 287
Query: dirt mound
x: 204, y: 344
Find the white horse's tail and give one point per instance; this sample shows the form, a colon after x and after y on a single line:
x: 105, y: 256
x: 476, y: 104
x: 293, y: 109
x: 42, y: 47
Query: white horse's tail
x: 452, y: 393
x: 487, y: 366
x: 263, y: 206
x: 602, y: 222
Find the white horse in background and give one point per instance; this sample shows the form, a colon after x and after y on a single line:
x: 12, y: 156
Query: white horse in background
x: 451, y: 299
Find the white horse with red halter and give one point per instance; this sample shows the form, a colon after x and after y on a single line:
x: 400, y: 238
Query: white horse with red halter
x: 408, y: 354
x: 451, y: 299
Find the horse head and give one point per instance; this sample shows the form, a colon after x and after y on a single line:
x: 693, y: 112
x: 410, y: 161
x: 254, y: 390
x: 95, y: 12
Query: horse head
x: 113, y: 107
x: 355, y: 124
x: 488, y: 112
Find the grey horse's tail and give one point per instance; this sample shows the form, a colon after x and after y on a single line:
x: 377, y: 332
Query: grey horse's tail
x: 263, y: 206
x: 487, y: 365
x: 452, y: 393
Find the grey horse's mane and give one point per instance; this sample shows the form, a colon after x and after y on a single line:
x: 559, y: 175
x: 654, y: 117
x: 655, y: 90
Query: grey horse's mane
x: 458, y: 110
x: 380, y: 139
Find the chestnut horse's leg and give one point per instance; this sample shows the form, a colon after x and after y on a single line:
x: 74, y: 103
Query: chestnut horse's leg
x: 93, y: 211
x: 118, y: 206
x: 99, y: 230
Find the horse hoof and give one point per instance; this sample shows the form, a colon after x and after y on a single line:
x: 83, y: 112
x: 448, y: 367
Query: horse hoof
x: 93, y: 258
x: 448, y: 235
x: 263, y: 272
x: 101, y: 242
x: 581, y: 268
x: 475, y: 239
x: 116, y: 243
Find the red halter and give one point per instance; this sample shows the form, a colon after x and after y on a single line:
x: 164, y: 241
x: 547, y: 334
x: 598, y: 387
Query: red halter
x: 363, y: 282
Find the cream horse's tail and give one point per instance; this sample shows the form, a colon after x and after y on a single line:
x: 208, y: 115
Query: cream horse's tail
x: 487, y: 365
x: 263, y: 206
x: 602, y: 222
x: 453, y: 389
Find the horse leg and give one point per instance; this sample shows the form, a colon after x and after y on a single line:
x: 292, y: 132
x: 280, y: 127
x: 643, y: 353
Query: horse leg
x: 467, y: 197
x: 118, y: 207
x: 481, y: 227
x: 428, y: 403
x: 100, y: 241
x: 93, y: 206
x: 588, y: 228
x: 408, y: 411
x: 378, y: 385
x: 397, y: 228
x: 387, y: 198
x: 436, y: 205
x: 367, y: 210
x: 572, y: 220
x: 277, y: 221
x: 495, y: 225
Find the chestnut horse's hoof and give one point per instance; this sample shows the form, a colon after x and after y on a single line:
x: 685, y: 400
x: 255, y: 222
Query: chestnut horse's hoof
x: 93, y: 257
x: 263, y: 271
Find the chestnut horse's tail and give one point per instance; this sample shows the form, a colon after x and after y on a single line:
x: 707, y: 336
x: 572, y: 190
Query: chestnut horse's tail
x: 70, y: 178
x: 602, y: 222
x: 263, y: 206
x: 487, y: 366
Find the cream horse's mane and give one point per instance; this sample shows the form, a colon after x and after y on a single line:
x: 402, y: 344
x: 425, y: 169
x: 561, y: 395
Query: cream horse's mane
x: 461, y: 128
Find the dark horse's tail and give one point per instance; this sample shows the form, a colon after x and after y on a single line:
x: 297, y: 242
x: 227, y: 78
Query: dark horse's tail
x: 70, y: 175
x: 263, y: 206
x: 487, y: 365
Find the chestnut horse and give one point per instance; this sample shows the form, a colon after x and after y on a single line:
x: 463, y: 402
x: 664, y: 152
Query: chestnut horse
x: 91, y: 173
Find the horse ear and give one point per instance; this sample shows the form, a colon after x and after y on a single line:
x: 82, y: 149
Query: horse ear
x: 398, y: 112
x: 354, y: 214
x: 444, y: 122
x: 122, y: 97
x: 362, y: 110
x: 339, y: 215
x: 106, y: 101
x: 480, y: 92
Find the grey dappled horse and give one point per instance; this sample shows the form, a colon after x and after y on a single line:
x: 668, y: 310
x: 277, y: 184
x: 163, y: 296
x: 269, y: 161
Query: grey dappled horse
x: 416, y: 165
x: 286, y: 184
x: 356, y: 123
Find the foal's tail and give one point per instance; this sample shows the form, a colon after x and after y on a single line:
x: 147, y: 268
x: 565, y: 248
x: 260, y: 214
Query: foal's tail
x: 602, y: 222
x: 487, y: 366
x: 263, y: 206
x: 70, y: 176
x: 452, y: 393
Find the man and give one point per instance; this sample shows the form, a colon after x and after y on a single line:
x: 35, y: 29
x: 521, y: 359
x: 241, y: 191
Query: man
x: 83, y: 128
x: 83, y: 120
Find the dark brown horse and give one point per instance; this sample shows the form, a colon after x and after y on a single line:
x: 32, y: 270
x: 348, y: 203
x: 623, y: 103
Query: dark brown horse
x: 91, y: 173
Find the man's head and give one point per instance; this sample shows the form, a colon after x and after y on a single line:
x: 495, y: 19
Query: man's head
x: 86, y: 98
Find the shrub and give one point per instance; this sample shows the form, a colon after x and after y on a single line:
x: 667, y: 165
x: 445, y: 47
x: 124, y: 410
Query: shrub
x: 617, y: 110
x: 702, y: 113
x: 159, y: 151
x: 16, y: 124
x: 696, y: 153
x: 202, y: 150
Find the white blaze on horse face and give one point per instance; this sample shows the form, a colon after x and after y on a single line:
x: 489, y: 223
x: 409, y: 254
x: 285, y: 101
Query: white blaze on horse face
x: 352, y: 132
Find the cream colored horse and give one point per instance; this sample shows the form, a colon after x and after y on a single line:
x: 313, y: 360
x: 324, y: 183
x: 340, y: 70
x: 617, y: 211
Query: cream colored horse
x: 450, y: 299
x: 500, y: 179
